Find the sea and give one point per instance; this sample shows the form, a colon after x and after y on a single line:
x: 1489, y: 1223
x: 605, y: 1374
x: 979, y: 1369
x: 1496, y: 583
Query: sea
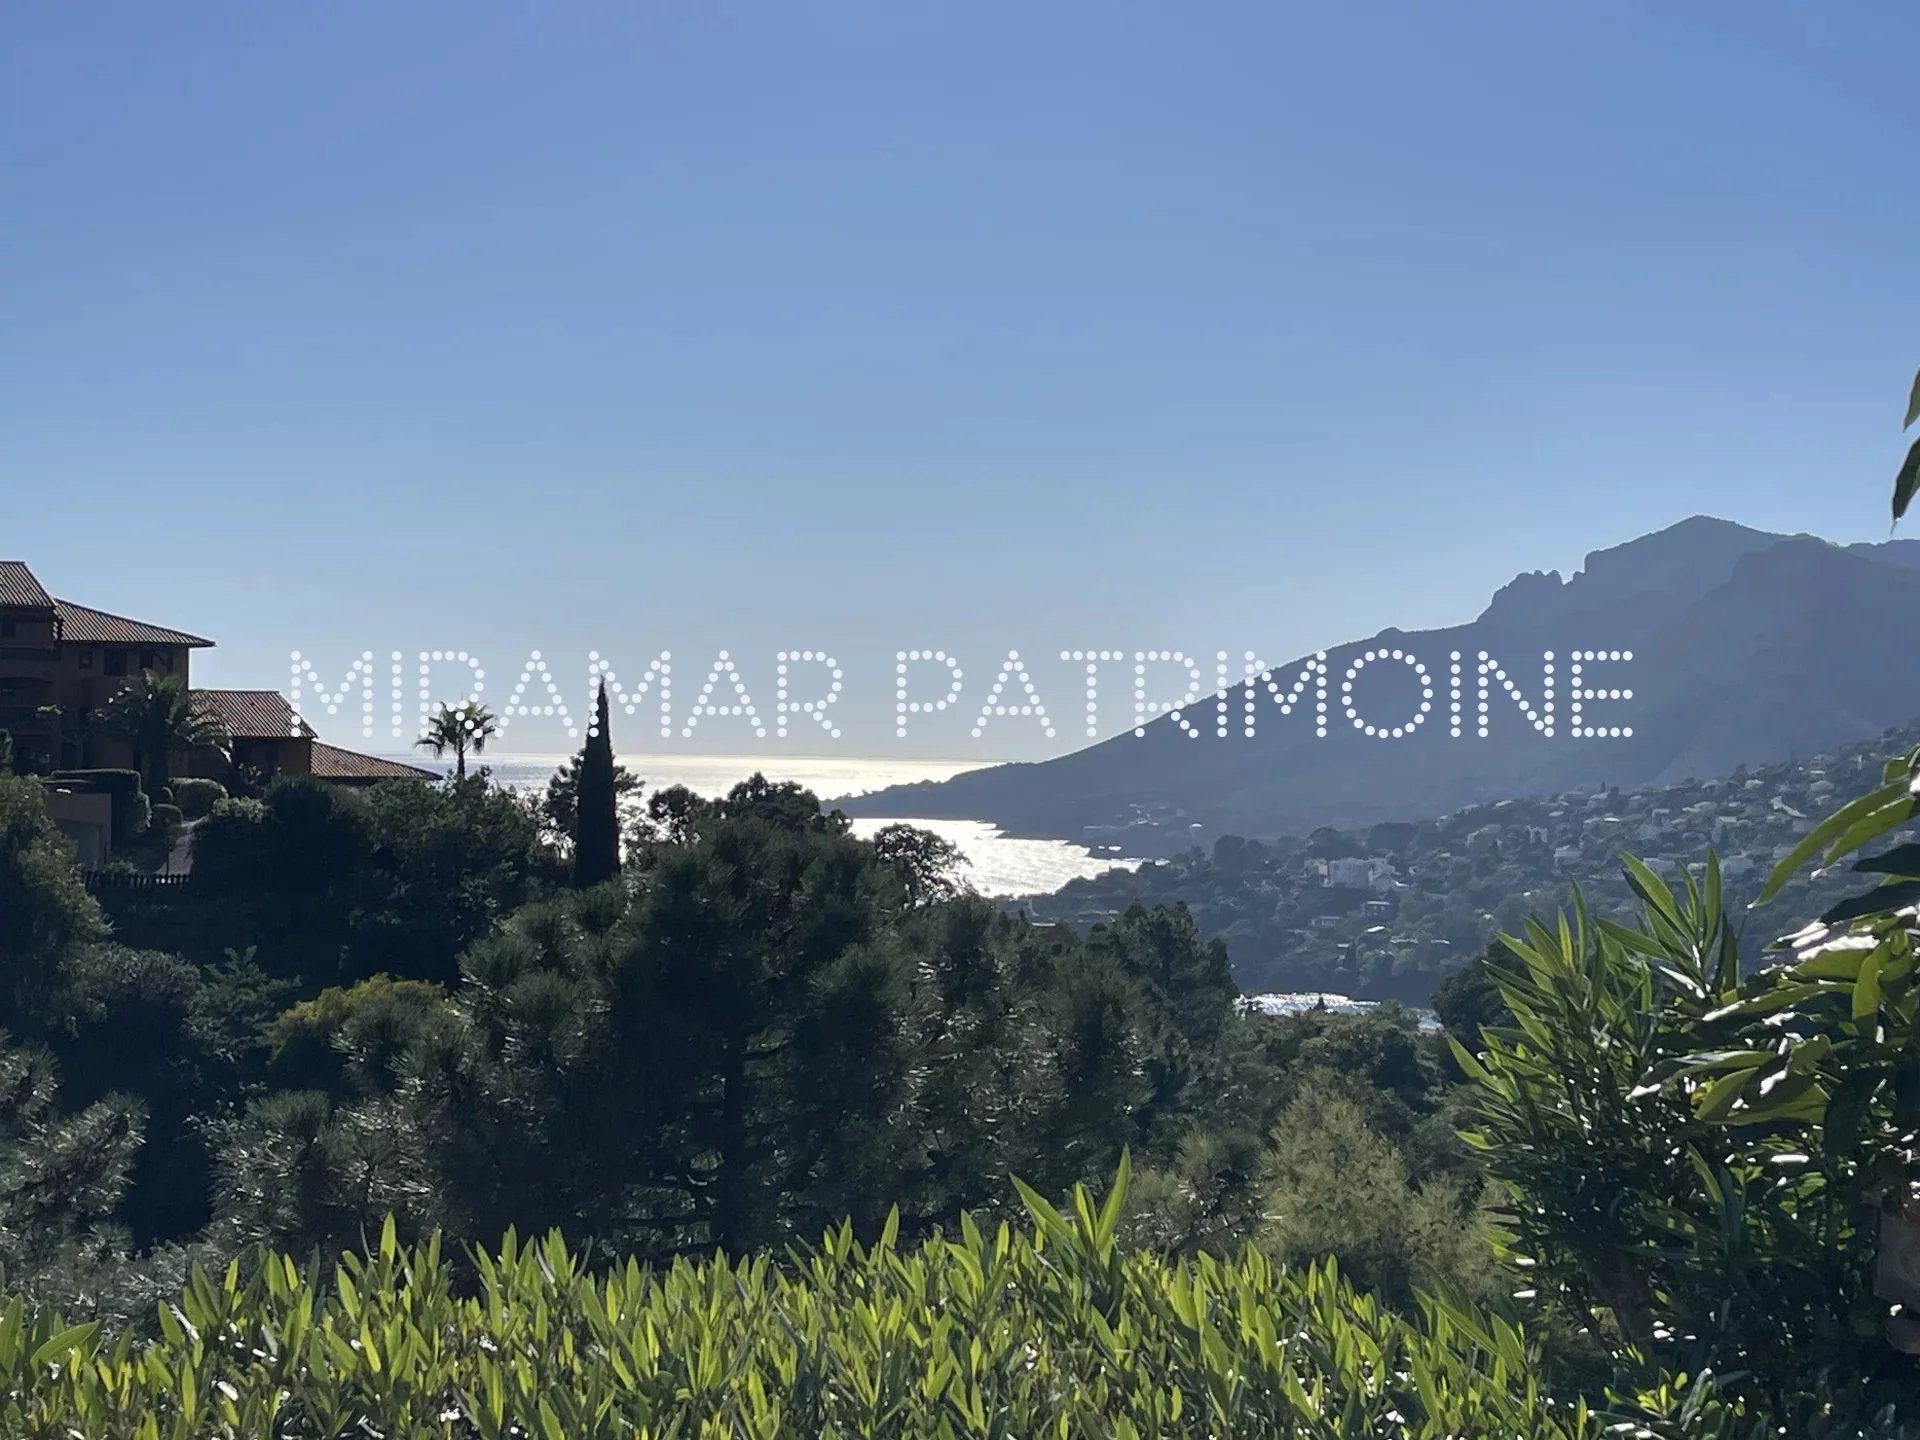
x: 1299, y: 1002
x: 997, y: 864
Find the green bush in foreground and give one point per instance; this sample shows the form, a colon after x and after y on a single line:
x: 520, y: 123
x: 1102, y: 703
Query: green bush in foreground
x: 1051, y: 1332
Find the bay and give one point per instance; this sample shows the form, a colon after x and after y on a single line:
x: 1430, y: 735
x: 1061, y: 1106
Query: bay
x: 997, y: 864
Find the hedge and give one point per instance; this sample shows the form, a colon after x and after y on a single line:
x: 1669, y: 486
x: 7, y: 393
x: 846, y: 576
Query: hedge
x: 1051, y: 1331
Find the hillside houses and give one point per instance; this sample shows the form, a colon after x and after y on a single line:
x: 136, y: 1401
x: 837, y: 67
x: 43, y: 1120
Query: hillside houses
x: 1334, y: 912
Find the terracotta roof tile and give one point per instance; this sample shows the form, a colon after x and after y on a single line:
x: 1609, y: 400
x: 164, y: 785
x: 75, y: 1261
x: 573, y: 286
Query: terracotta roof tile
x: 252, y: 714
x: 330, y: 762
x: 82, y: 625
x: 19, y: 590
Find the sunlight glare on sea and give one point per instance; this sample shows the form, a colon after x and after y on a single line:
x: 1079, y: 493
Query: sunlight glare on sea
x: 997, y: 864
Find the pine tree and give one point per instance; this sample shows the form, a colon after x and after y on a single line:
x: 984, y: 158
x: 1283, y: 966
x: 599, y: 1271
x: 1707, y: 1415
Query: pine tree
x: 596, y: 840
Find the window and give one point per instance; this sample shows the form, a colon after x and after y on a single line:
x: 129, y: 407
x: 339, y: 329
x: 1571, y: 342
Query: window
x: 166, y: 661
x: 146, y: 659
x: 116, y: 662
x: 86, y: 659
x: 8, y: 629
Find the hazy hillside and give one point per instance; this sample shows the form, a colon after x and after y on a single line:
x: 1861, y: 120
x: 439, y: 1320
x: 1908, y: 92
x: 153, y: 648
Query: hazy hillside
x: 1749, y: 648
x: 1386, y: 911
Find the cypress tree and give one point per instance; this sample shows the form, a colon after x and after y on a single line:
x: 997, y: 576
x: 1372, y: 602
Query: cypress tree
x: 596, y: 840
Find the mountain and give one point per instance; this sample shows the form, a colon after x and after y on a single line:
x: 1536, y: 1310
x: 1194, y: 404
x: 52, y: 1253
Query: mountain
x: 1747, y: 648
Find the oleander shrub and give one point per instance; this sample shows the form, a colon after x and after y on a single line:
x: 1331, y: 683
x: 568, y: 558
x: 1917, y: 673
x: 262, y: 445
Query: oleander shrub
x: 1725, y: 1169
x: 1051, y: 1330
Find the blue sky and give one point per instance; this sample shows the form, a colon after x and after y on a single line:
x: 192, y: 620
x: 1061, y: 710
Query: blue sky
x: 626, y: 327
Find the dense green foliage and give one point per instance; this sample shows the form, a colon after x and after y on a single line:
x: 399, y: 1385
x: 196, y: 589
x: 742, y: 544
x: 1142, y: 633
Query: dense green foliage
x: 393, y: 1001
x: 330, y: 885
x: 763, y: 1038
x: 768, y: 1030
x: 1048, y: 1330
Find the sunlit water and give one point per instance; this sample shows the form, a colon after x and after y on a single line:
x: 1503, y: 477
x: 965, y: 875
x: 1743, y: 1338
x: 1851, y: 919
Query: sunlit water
x: 1300, y: 1001
x: 997, y: 863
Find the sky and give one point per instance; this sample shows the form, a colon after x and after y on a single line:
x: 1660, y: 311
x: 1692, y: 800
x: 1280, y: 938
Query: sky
x: 856, y: 328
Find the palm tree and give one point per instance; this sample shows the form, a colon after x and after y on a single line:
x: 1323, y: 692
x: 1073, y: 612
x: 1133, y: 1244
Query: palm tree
x: 460, y: 728
x: 156, y: 717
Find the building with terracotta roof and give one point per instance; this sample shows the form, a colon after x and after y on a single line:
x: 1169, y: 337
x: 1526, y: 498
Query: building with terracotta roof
x: 264, y: 733
x: 60, y: 663
x: 349, y: 767
x: 267, y: 736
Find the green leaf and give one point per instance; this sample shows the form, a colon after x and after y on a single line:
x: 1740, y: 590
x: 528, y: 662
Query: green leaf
x: 1050, y: 1221
x: 1654, y: 892
x: 1906, y: 482
x: 1866, y: 990
x: 1841, y: 823
x: 1726, y: 1060
x: 1792, y: 1097
x: 56, y: 1347
x: 1913, y: 404
x: 1777, y: 997
x: 1116, y: 1201
x: 1469, y: 1066
x: 1834, y: 964
x: 1715, y: 1100
x: 1870, y: 827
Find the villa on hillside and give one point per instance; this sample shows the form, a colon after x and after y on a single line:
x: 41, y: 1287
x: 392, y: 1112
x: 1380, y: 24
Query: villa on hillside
x: 60, y: 663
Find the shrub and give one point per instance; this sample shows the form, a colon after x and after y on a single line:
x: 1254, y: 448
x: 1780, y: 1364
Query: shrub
x: 1699, y: 1156
x: 166, y: 818
x: 1336, y: 1186
x: 1051, y: 1330
x: 227, y: 845
x: 320, y: 1043
x: 163, y: 796
x: 196, y: 798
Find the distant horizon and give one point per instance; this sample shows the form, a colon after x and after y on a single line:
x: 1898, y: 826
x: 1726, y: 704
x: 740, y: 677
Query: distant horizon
x: 620, y: 753
x: 830, y: 777
x: 1057, y: 674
